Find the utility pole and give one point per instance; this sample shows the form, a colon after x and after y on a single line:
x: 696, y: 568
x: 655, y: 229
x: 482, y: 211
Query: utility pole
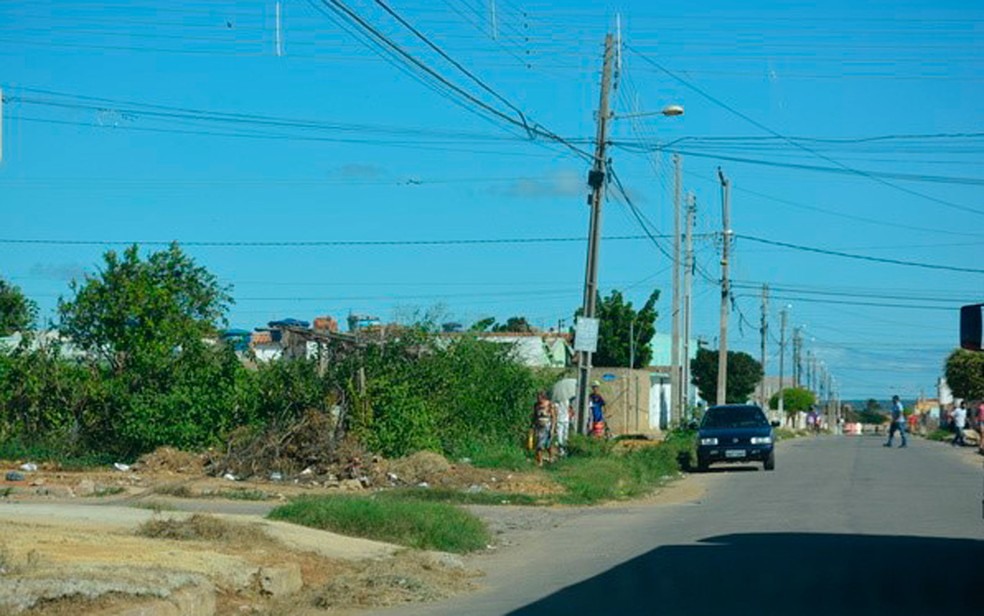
x: 797, y: 364
x: 782, y: 359
x: 764, y: 332
x: 596, y: 180
x: 722, y: 383
x: 688, y: 281
x: 809, y: 370
x: 675, y: 379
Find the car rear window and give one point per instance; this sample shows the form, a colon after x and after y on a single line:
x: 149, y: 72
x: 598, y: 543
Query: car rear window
x: 734, y: 418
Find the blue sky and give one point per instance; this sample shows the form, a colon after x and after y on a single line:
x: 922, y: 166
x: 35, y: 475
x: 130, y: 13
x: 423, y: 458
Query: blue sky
x: 150, y: 122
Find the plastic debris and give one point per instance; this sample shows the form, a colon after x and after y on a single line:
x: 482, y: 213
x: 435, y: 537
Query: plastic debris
x: 29, y: 467
x: 276, y: 476
x: 423, y: 484
x: 14, y: 476
x: 121, y: 467
x: 229, y: 476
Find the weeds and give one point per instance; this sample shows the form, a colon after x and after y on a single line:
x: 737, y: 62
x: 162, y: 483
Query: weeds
x: 107, y: 491
x: 200, y: 527
x: 462, y: 497
x: 244, y: 494
x: 500, y: 456
x: 412, y: 522
x: 596, y: 471
x: 177, y: 490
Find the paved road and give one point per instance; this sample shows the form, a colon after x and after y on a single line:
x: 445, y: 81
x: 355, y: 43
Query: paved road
x: 843, y: 526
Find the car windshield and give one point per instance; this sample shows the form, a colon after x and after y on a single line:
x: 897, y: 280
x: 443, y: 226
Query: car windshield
x: 736, y: 417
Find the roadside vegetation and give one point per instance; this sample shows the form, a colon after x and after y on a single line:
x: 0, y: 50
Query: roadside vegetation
x: 145, y: 370
x: 410, y: 522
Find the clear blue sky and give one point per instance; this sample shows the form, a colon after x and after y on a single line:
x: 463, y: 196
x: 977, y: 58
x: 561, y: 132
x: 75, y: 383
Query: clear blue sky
x: 156, y: 121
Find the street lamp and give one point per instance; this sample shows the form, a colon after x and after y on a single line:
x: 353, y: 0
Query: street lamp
x: 668, y: 111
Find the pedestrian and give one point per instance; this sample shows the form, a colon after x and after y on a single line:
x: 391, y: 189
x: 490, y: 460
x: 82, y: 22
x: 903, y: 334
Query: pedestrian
x: 913, y: 423
x: 898, y: 422
x: 562, y: 396
x: 980, y: 426
x: 959, y: 423
x: 597, y: 403
x: 542, y: 423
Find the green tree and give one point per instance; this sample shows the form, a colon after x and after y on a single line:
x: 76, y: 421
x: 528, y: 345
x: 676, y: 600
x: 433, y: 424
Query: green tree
x: 17, y: 312
x: 144, y: 323
x: 514, y: 324
x: 965, y: 374
x: 794, y: 400
x: 482, y: 325
x: 744, y: 373
x: 135, y: 308
x: 872, y: 405
x: 621, y: 328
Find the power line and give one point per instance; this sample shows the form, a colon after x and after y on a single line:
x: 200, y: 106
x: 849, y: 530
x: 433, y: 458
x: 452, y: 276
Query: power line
x: 765, y: 128
x: 846, y: 255
x: 373, y: 34
x: 813, y: 300
x: 842, y: 170
x: 323, y: 243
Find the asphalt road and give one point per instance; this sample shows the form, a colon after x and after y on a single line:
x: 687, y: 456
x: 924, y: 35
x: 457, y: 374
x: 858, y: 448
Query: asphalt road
x: 842, y: 526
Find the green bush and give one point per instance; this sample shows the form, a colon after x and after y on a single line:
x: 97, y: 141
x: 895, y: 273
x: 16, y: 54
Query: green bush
x: 413, y: 523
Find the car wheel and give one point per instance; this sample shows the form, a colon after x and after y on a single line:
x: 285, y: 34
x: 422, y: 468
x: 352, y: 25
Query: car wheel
x: 770, y: 462
x: 702, y: 465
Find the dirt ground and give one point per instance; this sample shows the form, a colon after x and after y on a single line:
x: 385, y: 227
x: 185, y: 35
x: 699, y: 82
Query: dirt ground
x: 80, y: 531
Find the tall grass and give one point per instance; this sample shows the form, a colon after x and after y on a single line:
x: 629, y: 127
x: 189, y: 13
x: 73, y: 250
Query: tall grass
x: 413, y: 523
x: 598, y: 471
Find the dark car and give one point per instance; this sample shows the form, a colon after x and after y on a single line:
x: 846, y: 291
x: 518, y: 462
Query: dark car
x: 735, y: 433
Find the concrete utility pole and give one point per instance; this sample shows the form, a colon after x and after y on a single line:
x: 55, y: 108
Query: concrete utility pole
x: 764, y: 332
x: 688, y: 281
x: 722, y: 384
x: 675, y: 378
x: 809, y: 370
x: 797, y: 349
x: 596, y: 180
x: 782, y: 359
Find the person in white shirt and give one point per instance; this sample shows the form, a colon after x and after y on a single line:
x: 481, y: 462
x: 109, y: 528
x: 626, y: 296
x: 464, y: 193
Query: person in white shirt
x: 959, y: 423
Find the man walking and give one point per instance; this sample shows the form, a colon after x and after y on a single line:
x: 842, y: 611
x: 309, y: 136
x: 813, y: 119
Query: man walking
x: 898, y: 422
x: 959, y: 423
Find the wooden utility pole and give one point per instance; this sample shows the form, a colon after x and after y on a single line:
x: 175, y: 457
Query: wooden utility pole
x: 722, y: 384
x: 675, y: 377
x: 596, y: 180
x: 688, y: 281
x: 764, y: 332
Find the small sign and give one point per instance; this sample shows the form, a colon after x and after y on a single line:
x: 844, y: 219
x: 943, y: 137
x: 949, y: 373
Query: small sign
x: 586, y: 335
x: 608, y: 377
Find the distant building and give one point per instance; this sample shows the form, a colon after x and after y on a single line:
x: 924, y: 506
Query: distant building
x: 535, y: 350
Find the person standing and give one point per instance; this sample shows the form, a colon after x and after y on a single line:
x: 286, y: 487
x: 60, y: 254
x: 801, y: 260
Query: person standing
x: 562, y: 396
x: 959, y: 423
x: 980, y: 427
x: 898, y: 422
x: 597, y: 402
x: 542, y: 424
